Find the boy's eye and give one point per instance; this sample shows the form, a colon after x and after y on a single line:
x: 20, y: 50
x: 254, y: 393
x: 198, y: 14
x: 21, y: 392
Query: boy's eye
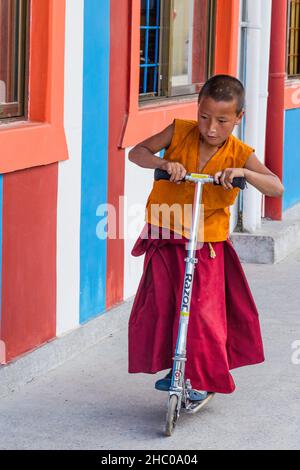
x: 222, y: 121
x: 204, y: 117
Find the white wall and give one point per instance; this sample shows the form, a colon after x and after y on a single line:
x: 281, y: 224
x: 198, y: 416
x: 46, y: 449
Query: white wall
x: 69, y: 176
x: 138, y: 184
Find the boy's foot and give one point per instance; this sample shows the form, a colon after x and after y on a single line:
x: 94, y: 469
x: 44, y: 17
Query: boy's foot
x: 195, y: 406
x: 197, y: 395
x: 164, y: 384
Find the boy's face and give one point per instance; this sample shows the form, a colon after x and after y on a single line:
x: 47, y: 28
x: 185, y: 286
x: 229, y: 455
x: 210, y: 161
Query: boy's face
x: 217, y: 119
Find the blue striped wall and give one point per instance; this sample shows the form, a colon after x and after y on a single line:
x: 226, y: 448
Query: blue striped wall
x: 94, y: 155
x: 291, y: 161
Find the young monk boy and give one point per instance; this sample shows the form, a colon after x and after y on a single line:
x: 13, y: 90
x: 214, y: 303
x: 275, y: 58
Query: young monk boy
x: 224, y: 331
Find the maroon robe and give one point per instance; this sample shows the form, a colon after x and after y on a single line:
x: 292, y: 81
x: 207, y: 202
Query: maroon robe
x: 224, y: 331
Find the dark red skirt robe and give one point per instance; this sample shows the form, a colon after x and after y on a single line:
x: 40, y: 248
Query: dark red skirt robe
x: 224, y: 331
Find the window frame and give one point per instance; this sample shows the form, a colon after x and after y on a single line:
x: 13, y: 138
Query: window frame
x: 292, y: 76
x: 18, y: 110
x: 165, y: 91
x: 40, y: 139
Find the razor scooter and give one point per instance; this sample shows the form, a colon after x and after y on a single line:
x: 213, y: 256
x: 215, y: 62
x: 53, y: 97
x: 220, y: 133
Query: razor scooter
x: 179, y: 393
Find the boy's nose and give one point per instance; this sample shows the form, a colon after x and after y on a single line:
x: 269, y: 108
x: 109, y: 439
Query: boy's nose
x: 212, y: 128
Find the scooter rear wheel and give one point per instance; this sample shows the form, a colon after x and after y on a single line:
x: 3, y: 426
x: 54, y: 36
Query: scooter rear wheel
x: 172, y: 415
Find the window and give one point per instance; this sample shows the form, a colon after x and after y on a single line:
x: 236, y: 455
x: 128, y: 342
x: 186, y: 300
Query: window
x: 293, y: 54
x: 13, y: 39
x: 176, y: 47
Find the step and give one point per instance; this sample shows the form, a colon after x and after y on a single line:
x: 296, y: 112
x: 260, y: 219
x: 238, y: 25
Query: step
x: 272, y: 242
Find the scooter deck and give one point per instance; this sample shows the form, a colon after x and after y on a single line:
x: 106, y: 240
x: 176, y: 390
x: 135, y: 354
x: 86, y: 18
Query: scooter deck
x: 194, y: 408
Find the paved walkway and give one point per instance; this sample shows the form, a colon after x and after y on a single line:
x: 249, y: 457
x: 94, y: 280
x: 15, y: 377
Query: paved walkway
x: 92, y: 403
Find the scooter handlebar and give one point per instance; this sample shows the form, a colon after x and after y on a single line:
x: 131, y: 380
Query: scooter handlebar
x: 238, y: 182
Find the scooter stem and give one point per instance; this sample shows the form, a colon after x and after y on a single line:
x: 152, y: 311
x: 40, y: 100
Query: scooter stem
x: 191, y: 261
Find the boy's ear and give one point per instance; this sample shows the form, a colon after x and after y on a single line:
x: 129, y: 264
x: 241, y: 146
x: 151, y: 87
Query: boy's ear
x: 239, y: 117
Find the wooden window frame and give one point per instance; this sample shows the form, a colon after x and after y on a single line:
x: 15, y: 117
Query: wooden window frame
x: 296, y: 43
x: 165, y: 90
x: 18, y: 109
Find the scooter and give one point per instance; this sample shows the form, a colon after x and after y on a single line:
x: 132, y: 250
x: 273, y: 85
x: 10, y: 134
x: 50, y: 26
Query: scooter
x: 179, y: 393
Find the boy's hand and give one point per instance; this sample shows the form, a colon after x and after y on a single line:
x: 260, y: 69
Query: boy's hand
x: 226, y: 176
x: 175, y: 169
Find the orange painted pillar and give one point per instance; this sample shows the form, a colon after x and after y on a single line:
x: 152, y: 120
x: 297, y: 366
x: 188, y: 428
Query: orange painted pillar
x: 276, y: 109
x: 227, y: 34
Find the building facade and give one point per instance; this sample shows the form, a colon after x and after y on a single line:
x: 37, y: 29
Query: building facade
x: 81, y: 82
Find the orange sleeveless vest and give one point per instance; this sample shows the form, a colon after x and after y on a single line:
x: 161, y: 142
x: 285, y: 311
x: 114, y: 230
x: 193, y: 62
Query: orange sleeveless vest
x: 169, y: 205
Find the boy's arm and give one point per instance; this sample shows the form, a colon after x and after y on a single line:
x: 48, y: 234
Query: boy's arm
x: 257, y: 174
x: 143, y: 154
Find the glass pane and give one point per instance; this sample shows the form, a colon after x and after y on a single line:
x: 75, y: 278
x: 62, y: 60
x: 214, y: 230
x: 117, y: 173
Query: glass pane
x: 150, y: 12
x: 189, y: 44
x: 12, y: 51
x: 142, y: 47
x: 149, y: 46
x: 153, y: 12
x: 143, y: 12
x: 152, y: 52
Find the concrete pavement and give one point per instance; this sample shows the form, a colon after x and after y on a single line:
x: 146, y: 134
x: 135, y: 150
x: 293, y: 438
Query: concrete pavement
x: 90, y: 402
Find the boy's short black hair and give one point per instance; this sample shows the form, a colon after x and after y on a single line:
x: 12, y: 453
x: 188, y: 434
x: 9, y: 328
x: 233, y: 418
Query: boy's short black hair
x: 224, y: 88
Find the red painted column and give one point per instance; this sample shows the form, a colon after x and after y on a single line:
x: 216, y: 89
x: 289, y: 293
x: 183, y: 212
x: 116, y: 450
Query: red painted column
x: 199, y: 41
x: 275, y: 115
x: 118, y: 109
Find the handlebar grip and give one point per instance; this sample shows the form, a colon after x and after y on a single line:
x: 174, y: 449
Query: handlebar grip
x: 238, y: 182
x: 161, y: 175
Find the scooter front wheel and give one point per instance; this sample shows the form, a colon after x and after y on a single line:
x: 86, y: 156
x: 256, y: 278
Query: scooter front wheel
x: 172, y: 415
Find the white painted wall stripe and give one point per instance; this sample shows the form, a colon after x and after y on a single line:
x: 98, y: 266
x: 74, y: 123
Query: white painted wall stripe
x: 138, y: 185
x: 69, y: 176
